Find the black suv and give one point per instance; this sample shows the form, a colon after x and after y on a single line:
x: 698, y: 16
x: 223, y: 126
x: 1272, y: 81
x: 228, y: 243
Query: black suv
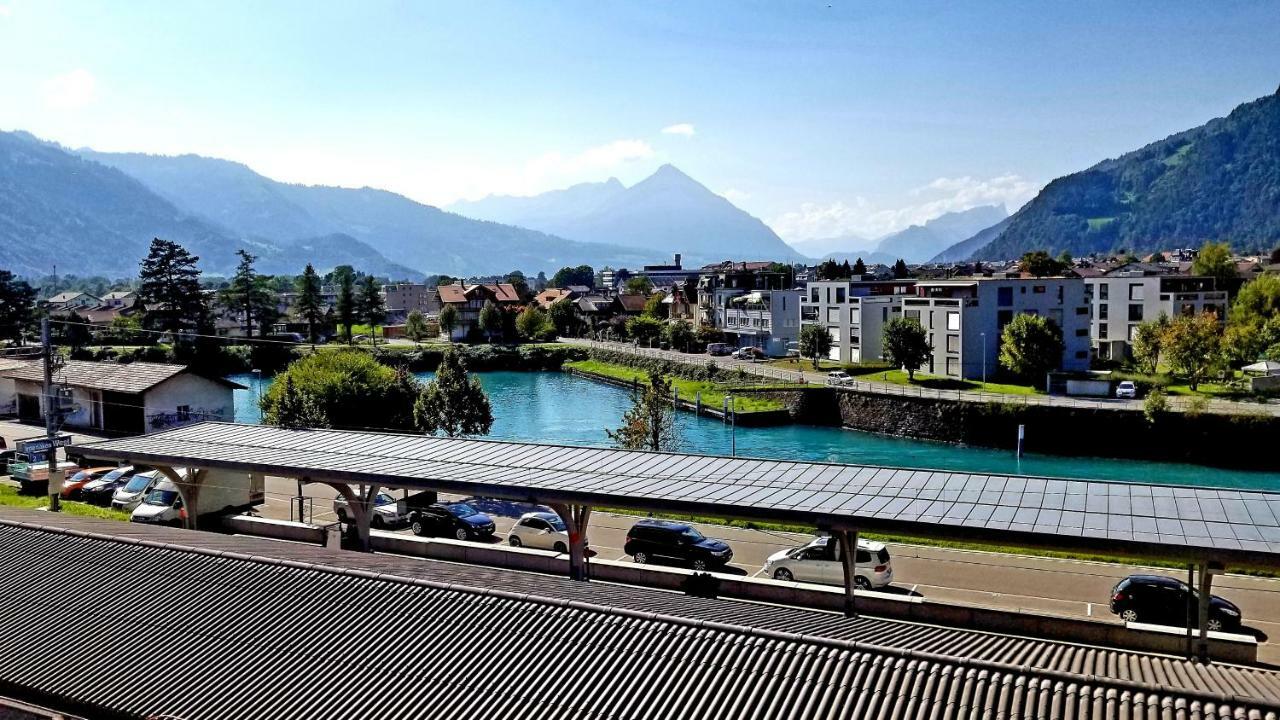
x: 453, y: 519
x: 1163, y: 600
x: 649, y: 539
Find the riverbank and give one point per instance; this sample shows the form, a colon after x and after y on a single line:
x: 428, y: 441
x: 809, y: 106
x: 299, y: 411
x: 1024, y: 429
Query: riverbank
x: 707, y: 396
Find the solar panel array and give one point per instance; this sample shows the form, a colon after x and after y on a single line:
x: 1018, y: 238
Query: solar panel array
x: 1069, y: 512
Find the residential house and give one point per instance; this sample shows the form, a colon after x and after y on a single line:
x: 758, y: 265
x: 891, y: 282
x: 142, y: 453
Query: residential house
x: 65, y: 303
x: 8, y: 386
x: 768, y: 320
x: 1126, y: 296
x: 964, y: 318
x: 595, y: 310
x: 469, y: 300
x: 551, y: 296
x: 403, y: 298
x: 631, y: 305
x: 854, y: 313
x: 126, y: 398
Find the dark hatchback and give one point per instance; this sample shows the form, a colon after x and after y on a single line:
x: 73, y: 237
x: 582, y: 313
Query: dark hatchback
x: 650, y: 539
x: 455, y: 520
x: 1160, y: 600
x: 99, y: 492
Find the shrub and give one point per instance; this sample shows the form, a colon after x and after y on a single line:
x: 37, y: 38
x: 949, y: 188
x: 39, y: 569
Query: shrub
x: 1155, y: 405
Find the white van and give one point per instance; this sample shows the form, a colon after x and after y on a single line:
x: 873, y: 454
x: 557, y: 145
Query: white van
x: 161, y: 506
x: 819, y: 562
x: 130, y: 495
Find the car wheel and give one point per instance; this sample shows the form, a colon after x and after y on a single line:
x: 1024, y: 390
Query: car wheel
x: 1215, y: 624
x: 514, y: 541
x: 784, y: 575
x: 560, y: 548
x: 699, y: 564
x: 377, y: 523
x: 460, y: 533
x: 640, y: 558
x: 861, y: 583
x: 1129, y: 615
x: 417, y: 528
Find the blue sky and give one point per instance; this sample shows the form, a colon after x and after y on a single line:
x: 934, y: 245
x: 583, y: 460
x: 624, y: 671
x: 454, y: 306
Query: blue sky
x: 821, y: 118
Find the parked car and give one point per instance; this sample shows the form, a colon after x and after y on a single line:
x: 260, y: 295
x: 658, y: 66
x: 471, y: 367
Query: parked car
x: 130, y: 496
x: 451, y: 519
x: 749, y: 353
x: 100, y: 491
x: 1126, y: 389
x: 161, y: 506
x: 819, y: 561
x: 1160, y: 600
x: 387, y: 511
x: 793, y: 349
x: 719, y: 349
x: 838, y: 377
x: 74, y: 484
x: 650, y: 539
x: 6, y: 457
x: 541, y: 530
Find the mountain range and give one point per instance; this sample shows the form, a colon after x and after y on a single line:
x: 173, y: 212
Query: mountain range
x: 1218, y: 181
x: 914, y: 244
x: 668, y: 211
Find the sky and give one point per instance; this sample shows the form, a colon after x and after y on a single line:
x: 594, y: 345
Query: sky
x: 821, y: 118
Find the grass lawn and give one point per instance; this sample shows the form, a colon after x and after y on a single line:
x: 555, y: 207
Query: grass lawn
x: 9, y: 496
x: 802, y: 364
x: 712, y: 393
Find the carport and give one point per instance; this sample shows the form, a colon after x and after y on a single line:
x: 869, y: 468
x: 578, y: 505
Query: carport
x: 1209, y: 529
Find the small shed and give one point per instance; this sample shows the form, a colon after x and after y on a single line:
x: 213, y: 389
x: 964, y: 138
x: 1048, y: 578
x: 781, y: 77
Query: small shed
x: 125, y: 398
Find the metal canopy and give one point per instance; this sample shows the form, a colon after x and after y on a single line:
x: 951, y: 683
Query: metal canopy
x: 1141, y: 519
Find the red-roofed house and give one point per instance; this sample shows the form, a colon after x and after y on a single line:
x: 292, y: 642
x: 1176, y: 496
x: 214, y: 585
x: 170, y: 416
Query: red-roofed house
x: 468, y: 300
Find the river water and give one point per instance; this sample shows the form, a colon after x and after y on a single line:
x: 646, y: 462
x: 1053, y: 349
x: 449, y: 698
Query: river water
x: 561, y: 408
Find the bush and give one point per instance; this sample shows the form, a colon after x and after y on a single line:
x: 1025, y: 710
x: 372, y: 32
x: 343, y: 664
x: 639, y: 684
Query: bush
x: 867, y: 368
x: 1155, y: 405
x: 708, y: 371
x: 350, y: 388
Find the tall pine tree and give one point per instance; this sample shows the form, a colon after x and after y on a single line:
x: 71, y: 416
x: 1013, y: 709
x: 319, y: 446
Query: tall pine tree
x: 310, y: 305
x: 346, y: 305
x: 250, y: 296
x: 371, y: 306
x: 169, y: 287
x: 17, y: 307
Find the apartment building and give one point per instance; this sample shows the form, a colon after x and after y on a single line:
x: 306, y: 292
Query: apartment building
x: 1123, y: 298
x: 964, y: 319
x: 854, y: 313
x: 403, y: 298
x: 751, y: 304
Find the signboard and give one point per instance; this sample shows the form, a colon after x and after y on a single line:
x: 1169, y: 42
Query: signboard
x: 40, y: 446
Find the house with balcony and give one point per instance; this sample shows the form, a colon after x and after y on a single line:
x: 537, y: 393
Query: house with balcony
x: 767, y: 320
x: 854, y: 313
x: 1127, y: 296
x: 964, y: 318
x: 469, y: 300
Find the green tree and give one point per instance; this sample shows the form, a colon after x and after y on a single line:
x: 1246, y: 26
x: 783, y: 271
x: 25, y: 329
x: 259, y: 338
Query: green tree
x: 349, y: 389
x: 1146, y: 343
x: 1040, y: 264
x: 448, y: 320
x: 453, y: 402
x: 828, y: 270
x: 309, y: 304
x: 900, y: 270
x: 859, y: 268
x: 17, y: 307
x: 415, y: 326
x: 815, y: 343
x: 644, y: 329
x: 1253, y: 324
x: 1191, y: 345
x: 297, y: 410
x: 540, y: 282
x: 250, y: 295
x: 655, y: 308
x: 680, y: 336
x: 532, y: 324
x: 371, y: 306
x: 708, y: 334
x: 563, y: 317
x: 490, y: 320
x: 906, y: 345
x: 75, y: 331
x: 650, y: 424
x: 1031, y: 346
x: 169, y: 287
x: 518, y: 281
x: 638, y: 285
x: 581, y: 275
x: 1214, y: 260
x: 346, y: 304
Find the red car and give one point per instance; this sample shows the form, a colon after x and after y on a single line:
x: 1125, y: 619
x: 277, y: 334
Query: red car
x: 71, y: 486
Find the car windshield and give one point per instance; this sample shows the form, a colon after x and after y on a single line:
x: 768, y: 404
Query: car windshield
x: 383, y: 499
x: 116, y: 474
x: 460, y: 510
x: 137, y: 484
x: 161, y: 497
x: 692, y: 535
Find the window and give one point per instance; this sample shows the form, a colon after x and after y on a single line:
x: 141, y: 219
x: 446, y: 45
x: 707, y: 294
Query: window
x: 1135, y: 312
x: 912, y: 315
x: 1004, y: 296
x: 1103, y: 309
x: 1038, y: 289
x: 1060, y: 290
x: 884, y: 314
x: 1102, y: 291
x: 1083, y: 309
x: 953, y: 367
x: 184, y: 413
x: 1133, y: 331
x: 1004, y: 317
x: 840, y: 295
x: 1102, y: 331
x: 1082, y: 354
x: 835, y: 335
x: 854, y: 341
x: 833, y: 315
x: 1136, y: 291
x: 953, y: 343
x: 1082, y: 332
x: 853, y: 316
x: 813, y: 295
x: 1188, y: 309
x: 953, y: 321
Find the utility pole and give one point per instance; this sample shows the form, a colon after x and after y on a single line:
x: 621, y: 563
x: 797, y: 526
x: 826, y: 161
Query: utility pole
x: 50, y: 418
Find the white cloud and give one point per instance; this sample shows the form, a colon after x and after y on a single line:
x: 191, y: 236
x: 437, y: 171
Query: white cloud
x: 685, y: 129
x: 71, y: 91
x: 943, y: 195
x: 5, y: 10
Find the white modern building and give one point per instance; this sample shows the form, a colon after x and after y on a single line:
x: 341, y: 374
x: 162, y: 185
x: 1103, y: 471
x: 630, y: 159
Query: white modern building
x: 854, y: 313
x: 964, y: 319
x: 765, y: 319
x: 1129, y: 295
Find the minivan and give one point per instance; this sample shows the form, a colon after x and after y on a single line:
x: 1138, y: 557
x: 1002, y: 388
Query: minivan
x: 161, y: 506
x: 650, y: 539
x: 130, y: 496
x: 819, y: 561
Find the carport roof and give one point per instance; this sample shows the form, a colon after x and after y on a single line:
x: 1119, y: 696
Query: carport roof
x: 1141, y: 519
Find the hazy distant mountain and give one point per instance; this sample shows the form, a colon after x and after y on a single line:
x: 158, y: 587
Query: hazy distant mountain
x: 422, y: 237
x: 820, y: 247
x: 667, y: 212
x: 965, y: 249
x: 919, y: 243
x: 1219, y: 181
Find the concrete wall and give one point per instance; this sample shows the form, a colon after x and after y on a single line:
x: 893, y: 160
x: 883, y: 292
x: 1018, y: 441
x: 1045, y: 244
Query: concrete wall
x: 204, y: 397
x: 87, y: 414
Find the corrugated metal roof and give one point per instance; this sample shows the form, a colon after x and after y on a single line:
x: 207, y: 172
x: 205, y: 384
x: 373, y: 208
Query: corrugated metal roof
x: 134, y: 377
x: 233, y: 631
x: 1236, y: 525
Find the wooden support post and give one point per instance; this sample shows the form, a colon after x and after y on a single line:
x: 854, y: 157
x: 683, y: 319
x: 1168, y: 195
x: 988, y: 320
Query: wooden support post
x: 576, y: 518
x: 188, y: 487
x: 1206, y: 587
x: 360, y: 511
x: 848, y: 540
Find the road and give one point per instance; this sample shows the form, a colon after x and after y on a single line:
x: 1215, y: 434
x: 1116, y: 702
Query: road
x: 1009, y: 582
x: 864, y: 384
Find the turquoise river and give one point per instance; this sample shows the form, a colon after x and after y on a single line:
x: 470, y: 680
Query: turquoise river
x: 560, y: 408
